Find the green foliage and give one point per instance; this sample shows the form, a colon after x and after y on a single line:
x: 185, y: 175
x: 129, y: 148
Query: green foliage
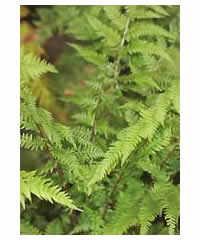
x: 28, y: 229
x: 117, y: 157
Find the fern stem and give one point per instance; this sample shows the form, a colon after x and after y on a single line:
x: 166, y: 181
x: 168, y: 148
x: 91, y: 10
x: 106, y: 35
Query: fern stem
x: 170, y: 154
x: 113, y: 191
x: 116, y: 71
x: 93, y: 132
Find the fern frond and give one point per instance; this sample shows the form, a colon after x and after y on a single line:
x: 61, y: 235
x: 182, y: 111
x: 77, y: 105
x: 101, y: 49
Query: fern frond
x: 33, y: 143
x: 111, y: 37
x: 130, y: 137
x: 90, y: 55
x: 136, y: 106
x: 94, y: 219
x: 158, y: 9
x: 32, y: 67
x: 66, y: 133
x: 82, y: 136
x: 46, y: 168
x: 148, y: 29
x: 142, y: 13
x: 127, y: 211
x: 69, y: 162
x: 85, y: 227
x: 148, y: 48
x: 88, y: 103
x: 27, y: 109
x: 160, y: 141
x: 171, y: 203
x: 85, y: 118
x: 43, y: 188
x: 150, y: 208
x: 113, y: 13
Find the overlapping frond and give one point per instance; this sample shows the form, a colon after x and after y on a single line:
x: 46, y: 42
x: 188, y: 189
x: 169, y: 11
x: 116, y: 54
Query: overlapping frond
x: 130, y: 137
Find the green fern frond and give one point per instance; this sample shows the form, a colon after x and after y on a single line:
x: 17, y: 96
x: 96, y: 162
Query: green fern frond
x: 127, y: 211
x: 136, y: 106
x: 150, y: 208
x: 148, y: 48
x: 113, y: 13
x: 142, y: 13
x: 66, y: 133
x: 148, y: 29
x: 160, y: 141
x: 69, y: 162
x: 85, y: 118
x: 43, y: 188
x: 33, y: 143
x: 82, y: 136
x: 158, y: 9
x: 90, y: 55
x: 85, y: 227
x: 32, y: 67
x: 46, y: 168
x: 111, y: 37
x: 88, y: 103
x: 130, y: 137
x: 171, y: 203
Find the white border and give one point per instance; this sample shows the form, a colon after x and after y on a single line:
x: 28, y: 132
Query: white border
x: 100, y: 2
x: 9, y: 117
x: 190, y: 120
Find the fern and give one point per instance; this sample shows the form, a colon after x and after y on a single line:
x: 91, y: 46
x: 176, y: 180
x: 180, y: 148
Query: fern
x: 112, y: 167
